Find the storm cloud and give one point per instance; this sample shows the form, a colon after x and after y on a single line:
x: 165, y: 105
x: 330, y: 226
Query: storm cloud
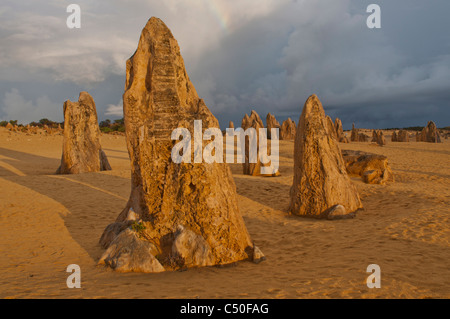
x: 267, y: 55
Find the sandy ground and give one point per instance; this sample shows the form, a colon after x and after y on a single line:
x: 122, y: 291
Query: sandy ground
x: 48, y: 222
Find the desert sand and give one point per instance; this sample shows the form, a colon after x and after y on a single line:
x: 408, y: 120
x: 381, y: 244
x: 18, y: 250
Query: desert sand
x: 50, y: 221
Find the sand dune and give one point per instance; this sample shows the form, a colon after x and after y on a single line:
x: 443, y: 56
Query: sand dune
x: 48, y: 222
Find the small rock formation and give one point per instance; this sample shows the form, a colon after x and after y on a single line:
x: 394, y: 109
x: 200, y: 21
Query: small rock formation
x: 254, y: 169
x: 341, y: 137
x: 378, y: 137
x: 354, y: 134
x: 231, y: 124
x: 362, y: 137
x: 272, y: 122
x: 178, y: 215
x: 288, y: 130
x: 247, y: 121
x: 82, y: 152
x: 373, y: 169
x: 48, y: 130
x: 430, y: 134
x: 9, y: 126
x: 403, y: 136
x: 321, y: 187
x: 394, y: 137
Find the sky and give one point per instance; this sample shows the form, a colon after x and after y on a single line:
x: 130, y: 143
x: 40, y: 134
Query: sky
x: 241, y: 55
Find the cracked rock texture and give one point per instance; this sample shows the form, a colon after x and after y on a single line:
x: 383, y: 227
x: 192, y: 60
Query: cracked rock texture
x: 186, y: 214
x: 321, y: 182
x: 82, y: 152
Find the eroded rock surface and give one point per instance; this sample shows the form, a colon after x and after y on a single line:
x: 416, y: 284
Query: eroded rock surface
x: 430, y: 134
x: 373, y: 169
x: 288, y: 130
x: 272, y: 122
x: 321, y: 182
x: 250, y: 167
x: 82, y: 152
x: 182, y: 215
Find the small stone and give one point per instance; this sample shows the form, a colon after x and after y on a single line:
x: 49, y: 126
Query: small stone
x: 128, y: 253
x: 257, y: 256
x: 339, y: 212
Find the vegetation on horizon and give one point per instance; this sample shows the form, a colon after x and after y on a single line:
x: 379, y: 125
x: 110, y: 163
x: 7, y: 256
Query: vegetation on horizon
x: 108, y: 126
x: 117, y: 126
x: 105, y: 126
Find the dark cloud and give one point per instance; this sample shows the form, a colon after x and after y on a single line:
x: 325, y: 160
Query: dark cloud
x: 267, y: 55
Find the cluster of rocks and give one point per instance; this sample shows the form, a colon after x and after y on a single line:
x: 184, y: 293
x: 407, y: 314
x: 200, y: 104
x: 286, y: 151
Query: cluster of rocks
x: 254, y: 169
x: 288, y: 129
x: 357, y: 136
x: 182, y: 215
x: 378, y: 137
x: 29, y: 129
x: 429, y: 134
x: 401, y: 136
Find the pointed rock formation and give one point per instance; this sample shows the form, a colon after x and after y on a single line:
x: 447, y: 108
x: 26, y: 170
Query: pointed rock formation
x: 181, y: 215
x: 9, y: 126
x: 288, y: 130
x: 321, y: 183
x: 82, y: 152
x: 247, y: 121
x: 355, y: 133
x: 341, y: 137
x: 254, y: 169
x: 430, y: 134
x: 272, y: 122
x: 231, y: 124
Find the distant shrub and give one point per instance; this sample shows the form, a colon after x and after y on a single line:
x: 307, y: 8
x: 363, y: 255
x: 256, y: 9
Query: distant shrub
x: 107, y: 126
x: 106, y: 130
x: 105, y: 123
x: 3, y: 123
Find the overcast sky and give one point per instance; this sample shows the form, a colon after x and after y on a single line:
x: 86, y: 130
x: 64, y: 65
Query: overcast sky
x: 267, y: 55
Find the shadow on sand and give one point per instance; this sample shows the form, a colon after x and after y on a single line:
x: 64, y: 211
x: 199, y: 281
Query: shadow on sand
x: 94, y: 200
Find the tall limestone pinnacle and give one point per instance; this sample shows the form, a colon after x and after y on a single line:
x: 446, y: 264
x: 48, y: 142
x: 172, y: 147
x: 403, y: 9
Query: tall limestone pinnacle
x: 321, y: 186
x: 178, y: 215
x: 82, y: 152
